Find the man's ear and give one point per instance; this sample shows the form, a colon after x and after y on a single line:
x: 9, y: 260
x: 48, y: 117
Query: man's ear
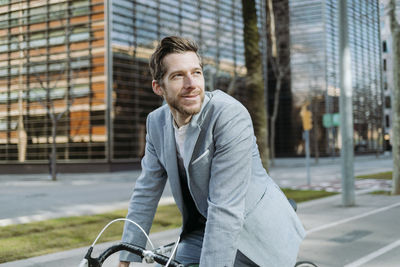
x: 157, y: 88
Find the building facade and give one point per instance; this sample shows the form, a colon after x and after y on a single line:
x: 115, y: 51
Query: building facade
x: 52, y: 67
x: 387, y: 68
x: 75, y: 73
x: 136, y: 27
x: 315, y: 71
x: 83, y: 66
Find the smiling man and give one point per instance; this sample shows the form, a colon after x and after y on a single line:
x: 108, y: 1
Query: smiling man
x: 233, y: 213
x: 182, y: 86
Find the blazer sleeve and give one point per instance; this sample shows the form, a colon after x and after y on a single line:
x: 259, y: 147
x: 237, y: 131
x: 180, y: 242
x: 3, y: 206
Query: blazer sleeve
x: 229, y: 178
x: 146, y: 195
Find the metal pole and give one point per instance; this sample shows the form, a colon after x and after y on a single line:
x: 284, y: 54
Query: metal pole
x: 346, y: 109
x: 307, y: 139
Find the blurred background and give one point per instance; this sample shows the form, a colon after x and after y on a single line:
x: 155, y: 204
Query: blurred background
x: 74, y: 75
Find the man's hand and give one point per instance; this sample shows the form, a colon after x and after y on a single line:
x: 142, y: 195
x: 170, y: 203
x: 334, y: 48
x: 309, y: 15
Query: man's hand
x: 124, y: 264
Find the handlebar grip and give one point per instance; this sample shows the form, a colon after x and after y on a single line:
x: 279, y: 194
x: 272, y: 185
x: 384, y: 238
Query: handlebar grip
x: 163, y: 260
x: 97, y: 262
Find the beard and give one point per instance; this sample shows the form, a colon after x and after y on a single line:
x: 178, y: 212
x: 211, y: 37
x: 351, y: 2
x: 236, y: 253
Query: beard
x: 185, y: 110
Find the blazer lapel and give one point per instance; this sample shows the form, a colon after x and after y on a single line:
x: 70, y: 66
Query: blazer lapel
x: 171, y: 163
x: 193, y: 133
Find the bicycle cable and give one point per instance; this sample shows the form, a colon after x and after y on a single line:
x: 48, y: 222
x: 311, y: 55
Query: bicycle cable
x: 144, y: 232
x: 123, y: 219
x: 173, y: 252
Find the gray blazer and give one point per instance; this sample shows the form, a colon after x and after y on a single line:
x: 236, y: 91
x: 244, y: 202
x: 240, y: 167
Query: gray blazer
x: 244, y: 208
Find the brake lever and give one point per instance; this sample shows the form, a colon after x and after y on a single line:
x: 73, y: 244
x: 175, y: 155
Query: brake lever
x: 88, y: 261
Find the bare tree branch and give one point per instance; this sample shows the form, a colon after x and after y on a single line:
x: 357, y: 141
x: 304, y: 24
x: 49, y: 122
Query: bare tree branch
x: 272, y: 28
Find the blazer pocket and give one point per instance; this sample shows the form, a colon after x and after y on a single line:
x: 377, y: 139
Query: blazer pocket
x: 201, y: 156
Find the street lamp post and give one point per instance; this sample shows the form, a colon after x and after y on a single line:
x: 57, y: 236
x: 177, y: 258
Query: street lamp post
x: 346, y: 109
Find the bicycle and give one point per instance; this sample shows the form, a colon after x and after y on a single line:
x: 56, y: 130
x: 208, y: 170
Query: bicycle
x: 157, y: 255
x: 149, y: 256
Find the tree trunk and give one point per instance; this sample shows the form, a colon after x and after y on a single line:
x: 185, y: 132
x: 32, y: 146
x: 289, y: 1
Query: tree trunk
x: 53, y: 152
x: 315, y: 109
x: 274, y: 116
x: 254, y: 79
x: 22, y: 136
x: 395, y: 29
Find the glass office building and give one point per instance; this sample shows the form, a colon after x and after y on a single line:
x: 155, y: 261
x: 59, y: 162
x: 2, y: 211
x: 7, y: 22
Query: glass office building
x: 84, y: 65
x: 136, y: 26
x: 52, y: 66
x: 315, y: 70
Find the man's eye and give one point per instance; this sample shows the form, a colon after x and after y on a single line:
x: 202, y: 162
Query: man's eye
x: 176, y: 76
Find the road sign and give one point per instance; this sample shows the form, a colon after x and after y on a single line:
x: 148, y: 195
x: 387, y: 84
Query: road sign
x: 327, y: 120
x: 330, y: 120
x: 336, y: 119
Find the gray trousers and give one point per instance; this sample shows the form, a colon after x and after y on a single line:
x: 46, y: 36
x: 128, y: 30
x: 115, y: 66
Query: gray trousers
x: 189, y: 251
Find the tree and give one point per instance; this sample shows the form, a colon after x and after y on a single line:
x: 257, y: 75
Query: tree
x: 254, y: 78
x: 395, y: 30
x: 48, y: 83
x: 278, y: 58
x: 49, y: 106
x: 22, y: 136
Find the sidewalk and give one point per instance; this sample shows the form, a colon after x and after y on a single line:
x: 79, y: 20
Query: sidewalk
x: 326, y: 174
x: 364, y: 235
x: 336, y: 235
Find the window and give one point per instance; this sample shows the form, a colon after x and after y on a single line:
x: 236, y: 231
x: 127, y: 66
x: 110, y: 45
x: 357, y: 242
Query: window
x: 58, y: 11
x: 3, y: 44
x: 38, y: 14
x: 80, y: 8
x: 97, y: 118
x: 37, y: 39
x: 384, y: 47
x: 387, y: 102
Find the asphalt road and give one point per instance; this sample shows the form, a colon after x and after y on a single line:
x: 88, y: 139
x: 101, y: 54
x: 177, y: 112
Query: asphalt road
x: 364, y: 235
x: 34, y: 197
x: 25, y: 198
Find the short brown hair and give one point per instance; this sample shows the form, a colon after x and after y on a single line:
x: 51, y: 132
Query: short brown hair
x: 170, y: 45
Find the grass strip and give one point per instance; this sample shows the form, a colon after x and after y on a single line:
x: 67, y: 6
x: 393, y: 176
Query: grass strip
x: 381, y: 192
x: 33, y: 239
x: 380, y: 175
x: 305, y: 195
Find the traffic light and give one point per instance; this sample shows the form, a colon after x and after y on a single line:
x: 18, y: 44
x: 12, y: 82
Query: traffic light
x: 306, y: 117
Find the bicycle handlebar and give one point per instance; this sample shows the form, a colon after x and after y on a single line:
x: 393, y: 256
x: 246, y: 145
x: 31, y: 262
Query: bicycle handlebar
x: 148, y: 255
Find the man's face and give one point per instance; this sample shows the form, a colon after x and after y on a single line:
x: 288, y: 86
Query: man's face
x: 182, y: 85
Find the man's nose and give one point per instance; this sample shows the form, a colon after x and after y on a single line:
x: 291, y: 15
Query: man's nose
x: 189, y: 81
